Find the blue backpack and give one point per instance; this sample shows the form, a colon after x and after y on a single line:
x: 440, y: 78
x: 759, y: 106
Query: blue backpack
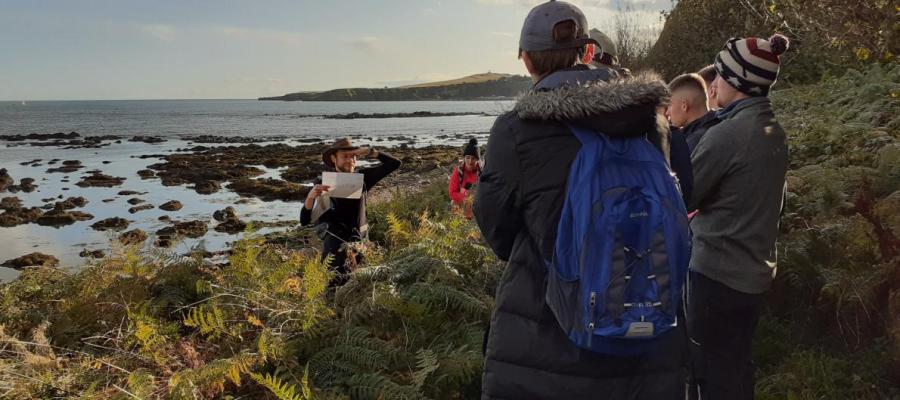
x: 622, y: 247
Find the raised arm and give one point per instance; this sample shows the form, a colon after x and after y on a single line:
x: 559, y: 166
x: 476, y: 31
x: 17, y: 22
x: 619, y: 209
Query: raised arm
x: 375, y: 174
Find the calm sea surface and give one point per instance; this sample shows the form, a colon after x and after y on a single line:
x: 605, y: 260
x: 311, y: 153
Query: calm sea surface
x: 174, y: 119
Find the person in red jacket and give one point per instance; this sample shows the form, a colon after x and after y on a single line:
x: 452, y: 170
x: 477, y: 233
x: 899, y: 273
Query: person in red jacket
x: 464, y: 178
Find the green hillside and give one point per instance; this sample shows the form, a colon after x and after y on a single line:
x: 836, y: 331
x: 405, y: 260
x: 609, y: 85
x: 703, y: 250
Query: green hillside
x: 469, y: 88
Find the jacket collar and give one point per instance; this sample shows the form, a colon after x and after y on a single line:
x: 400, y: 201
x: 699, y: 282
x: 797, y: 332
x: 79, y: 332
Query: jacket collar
x: 572, y: 95
x: 737, y: 106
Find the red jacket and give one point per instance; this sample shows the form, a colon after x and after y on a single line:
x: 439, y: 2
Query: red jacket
x: 457, y: 189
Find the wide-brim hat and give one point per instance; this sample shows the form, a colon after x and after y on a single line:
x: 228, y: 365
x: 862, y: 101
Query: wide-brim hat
x: 340, y: 144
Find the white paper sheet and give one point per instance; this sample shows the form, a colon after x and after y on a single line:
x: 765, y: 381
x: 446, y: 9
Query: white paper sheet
x: 343, y: 185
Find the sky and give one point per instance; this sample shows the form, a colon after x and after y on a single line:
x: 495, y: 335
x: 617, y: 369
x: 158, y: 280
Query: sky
x: 229, y: 49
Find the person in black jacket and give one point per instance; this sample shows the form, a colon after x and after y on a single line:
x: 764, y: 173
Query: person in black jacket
x: 339, y: 220
x: 518, y: 207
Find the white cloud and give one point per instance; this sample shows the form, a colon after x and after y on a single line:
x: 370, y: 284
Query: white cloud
x: 158, y: 31
x: 286, y: 38
x: 367, y: 43
x: 503, y: 34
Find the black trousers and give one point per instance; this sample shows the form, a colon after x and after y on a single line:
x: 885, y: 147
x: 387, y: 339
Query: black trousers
x: 721, y: 322
x: 331, y: 245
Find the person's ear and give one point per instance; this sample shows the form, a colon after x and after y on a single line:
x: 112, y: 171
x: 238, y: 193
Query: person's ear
x: 334, y: 159
x: 528, y: 65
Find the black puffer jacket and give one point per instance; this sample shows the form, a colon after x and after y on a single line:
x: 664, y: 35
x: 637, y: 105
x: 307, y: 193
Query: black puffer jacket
x: 517, y: 207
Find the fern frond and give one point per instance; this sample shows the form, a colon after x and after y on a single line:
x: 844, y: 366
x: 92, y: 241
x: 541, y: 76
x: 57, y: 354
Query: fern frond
x: 281, y: 389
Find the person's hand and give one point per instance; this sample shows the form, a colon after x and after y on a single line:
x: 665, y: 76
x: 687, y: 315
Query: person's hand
x: 314, y: 194
x: 362, y: 152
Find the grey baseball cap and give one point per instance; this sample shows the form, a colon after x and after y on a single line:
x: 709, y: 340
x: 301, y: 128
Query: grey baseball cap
x: 606, y: 44
x: 537, y: 31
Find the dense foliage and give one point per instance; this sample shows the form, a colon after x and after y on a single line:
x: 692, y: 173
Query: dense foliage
x: 828, y: 36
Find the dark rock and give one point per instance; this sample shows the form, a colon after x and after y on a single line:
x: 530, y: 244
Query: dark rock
x: 146, y: 174
x: 130, y: 193
x: 5, y: 180
x: 40, y: 136
x: 10, y: 203
x: 92, y: 253
x: 173, y: 205
x: 133, y: 237
x: 191, y: 229
x: 20, y: 216
x: 269, y: 189
x: 135, y: 201
x: 30, y: 162
x: 57, y: 218
x: 140, y: 208
x: 147, y: 139
x: 225, y: 214
x: 231, y: 226
x: 107, y: 162
x: 70, y: 203
x: 164, y: 218
x: 68, y: 166
x: 207, y: 187
x: 33, y: 259
x: 113, y: 224
x: 27, y: 185
x: 108, y: 200
x: 100, y: 180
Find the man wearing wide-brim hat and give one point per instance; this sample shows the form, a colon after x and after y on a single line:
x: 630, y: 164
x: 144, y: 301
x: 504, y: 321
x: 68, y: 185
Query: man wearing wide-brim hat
x: 343, y: 220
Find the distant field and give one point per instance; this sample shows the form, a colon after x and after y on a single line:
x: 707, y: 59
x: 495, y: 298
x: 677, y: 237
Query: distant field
x: 477, y: 78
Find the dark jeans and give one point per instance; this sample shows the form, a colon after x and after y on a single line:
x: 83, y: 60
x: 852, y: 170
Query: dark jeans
x: 720, y: 323
x: 332, y: 246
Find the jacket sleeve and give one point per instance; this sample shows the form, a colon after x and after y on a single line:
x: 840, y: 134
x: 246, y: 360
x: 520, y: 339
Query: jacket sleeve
x: 711, y: 161
x: 455, y: 194
x: 681, y: 164
x: 371, y: 176
x: 497, y: 200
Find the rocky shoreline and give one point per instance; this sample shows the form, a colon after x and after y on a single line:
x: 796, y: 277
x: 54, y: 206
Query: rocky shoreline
x: 236, y: 168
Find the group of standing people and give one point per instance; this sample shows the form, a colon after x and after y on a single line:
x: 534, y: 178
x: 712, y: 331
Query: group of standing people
x: 724, y: 151
x: 729, y: 156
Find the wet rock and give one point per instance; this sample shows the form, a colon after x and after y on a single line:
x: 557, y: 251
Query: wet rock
x: 147, y: 139
x: 68, y: 166
x: 191, y: 229
x: 10, y: 203
x: 27, y: 185
x: 225, y: 214
x: 112, y: 224
x: 107, y: 162
x: 108, y: 200
x: 207, y: 187
x: 20, y: 216
x: 133, y: 237
x: 92, y: 253
x: 5, y: 180
x: 40, y: 136
x: 57, y: 218
x: 173, y: 205
x: 29, y: 260
x: 146, y: 174
x: 70, y: 203
x: 140, y: 208
x: 243, y: 201
x: 30, y: 162
x: 303, y: 173
x: 135, y: 201
x: 100, y: 180
x: 164, y: 218
x: 231, y: 226
x: 131, y: 193
x: 269, y: 189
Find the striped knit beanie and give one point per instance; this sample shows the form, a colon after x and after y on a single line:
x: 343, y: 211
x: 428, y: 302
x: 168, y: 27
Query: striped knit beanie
x: 751, y: 65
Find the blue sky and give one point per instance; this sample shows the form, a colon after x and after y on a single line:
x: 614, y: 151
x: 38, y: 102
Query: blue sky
x: 106, y: 49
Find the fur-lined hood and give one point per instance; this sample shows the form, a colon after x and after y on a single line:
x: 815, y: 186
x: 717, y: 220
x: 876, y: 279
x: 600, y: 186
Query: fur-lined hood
x: 617, y: 107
